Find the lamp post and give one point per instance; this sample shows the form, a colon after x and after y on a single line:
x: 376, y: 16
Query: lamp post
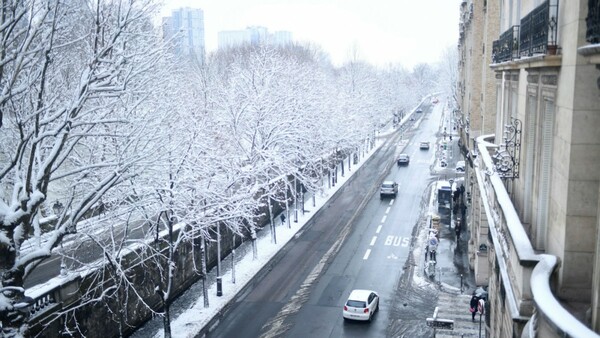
x: 57, y: 207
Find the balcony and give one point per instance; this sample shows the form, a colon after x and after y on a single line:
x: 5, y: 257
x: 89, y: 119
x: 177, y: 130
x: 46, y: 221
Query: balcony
x: 592, y: 34
x: 525, y: 276
x: 507, y: 47
x: 536, y: 35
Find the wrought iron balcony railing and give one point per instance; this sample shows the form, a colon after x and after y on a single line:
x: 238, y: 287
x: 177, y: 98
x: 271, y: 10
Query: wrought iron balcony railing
x: 536, y: 34
x: 507, y: 47
x: 592, y: 34
x: 525, y: 275
x: 539, y: 30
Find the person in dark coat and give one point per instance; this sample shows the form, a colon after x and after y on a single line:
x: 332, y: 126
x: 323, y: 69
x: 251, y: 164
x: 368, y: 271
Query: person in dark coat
x: 458, y: 228
x: 473, y: 306
x: 282, y: 218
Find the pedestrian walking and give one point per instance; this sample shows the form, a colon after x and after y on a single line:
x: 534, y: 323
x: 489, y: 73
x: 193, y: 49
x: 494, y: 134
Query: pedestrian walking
x: 282, y: 218
x: 458, y: 228
x: 473, y: 306
x: 432, y: 244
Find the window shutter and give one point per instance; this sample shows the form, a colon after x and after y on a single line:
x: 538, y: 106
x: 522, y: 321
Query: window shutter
x: 529, y: 157
x: 545, y: 166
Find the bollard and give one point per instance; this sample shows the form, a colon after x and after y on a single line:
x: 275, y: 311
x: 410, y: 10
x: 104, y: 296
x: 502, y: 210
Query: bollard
x: 219, y: 287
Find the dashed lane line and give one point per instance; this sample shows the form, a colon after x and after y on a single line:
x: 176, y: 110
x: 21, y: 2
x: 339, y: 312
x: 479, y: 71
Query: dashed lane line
x: 373, y: 240
x: 366, y: 256
x: 383, y: 218
x: 378, y: 229
x: 387, y: 211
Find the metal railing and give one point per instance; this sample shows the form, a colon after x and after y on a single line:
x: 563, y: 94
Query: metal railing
x: 507, y: 47
x: 536, y: 34
x: 539, y: 30
x: 512, y: 245
x: 592, y: 35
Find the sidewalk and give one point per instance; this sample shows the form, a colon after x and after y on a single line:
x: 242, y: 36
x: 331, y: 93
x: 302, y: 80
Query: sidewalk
x: 453, y: 276
x: 189, y: 316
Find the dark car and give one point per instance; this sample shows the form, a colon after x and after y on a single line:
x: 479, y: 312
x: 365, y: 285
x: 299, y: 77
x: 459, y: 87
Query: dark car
x: 419, y: 111
x: 403, y: 159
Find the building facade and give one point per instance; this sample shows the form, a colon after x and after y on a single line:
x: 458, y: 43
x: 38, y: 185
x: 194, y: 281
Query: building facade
x: 185, y: 27
x: 254, y: 36
x: 529, y: 116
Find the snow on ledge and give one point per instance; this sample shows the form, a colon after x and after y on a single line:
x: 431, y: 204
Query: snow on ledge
x: 543, y: 297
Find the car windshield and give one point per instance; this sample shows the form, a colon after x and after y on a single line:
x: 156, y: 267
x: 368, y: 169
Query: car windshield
x: 356, y: 303
x: 387, y: 185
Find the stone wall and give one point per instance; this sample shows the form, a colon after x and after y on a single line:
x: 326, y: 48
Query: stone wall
x: 76, y: 310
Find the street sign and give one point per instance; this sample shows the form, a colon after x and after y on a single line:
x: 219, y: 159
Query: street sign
x: 437, y: 323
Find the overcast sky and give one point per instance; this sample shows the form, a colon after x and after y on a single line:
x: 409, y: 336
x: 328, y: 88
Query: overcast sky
x: 384, y: 31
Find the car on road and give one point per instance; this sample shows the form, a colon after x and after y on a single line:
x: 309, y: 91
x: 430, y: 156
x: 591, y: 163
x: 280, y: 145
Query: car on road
x: 361, y: 305
x: 435, y: 100
x: 419, y: 111
x: 460, y: 166
x: 403, y: 159
x: 388, y: 188
x: 424, y: 146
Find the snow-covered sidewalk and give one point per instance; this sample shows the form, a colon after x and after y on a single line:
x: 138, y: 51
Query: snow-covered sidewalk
x: 190, y: 315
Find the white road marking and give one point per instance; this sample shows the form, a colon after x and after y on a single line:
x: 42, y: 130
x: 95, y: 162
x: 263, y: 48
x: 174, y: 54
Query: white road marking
x: 383, y: 219
x: 378, y: 229
x: 387, y: 211
x: 366, y: 256
x: 397, y: 241
x: 275, y: 327
x: 392, y: 201
x: 373, y: 240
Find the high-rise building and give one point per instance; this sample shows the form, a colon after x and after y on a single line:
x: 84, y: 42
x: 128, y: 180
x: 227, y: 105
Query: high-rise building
x: 529, y: 117
x: 185, y: 27
x: 254, y: 36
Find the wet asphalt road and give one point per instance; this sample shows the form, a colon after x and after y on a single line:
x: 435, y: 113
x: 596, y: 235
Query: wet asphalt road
x: 357, y: 241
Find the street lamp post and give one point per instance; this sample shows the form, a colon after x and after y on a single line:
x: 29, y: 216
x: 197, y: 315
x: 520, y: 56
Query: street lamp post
x: 57, y: 207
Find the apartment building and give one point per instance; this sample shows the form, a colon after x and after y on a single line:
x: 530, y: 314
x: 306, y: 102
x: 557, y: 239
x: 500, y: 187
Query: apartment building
x: 185, y: 27
x: 253, y: 35
x: 529, y: 117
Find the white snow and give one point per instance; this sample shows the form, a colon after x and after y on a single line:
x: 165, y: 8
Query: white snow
x: 545, y: 300
x: 196, y: 317
x: 190, y: 322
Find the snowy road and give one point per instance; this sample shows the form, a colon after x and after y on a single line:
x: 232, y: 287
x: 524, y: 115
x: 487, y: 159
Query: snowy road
x: 356, y: 241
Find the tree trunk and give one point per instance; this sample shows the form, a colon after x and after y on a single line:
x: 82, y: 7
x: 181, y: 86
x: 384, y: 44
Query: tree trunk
x: 204, y: 273
x: 167, y: 319
x: 14, y: 322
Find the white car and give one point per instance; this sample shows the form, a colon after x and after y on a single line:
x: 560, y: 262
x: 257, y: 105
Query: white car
x: 460, y: 166
x: 361, y: 305
x: 388, y: 188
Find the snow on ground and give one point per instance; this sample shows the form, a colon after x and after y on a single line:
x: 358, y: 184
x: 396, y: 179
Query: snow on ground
x: 195, y: 316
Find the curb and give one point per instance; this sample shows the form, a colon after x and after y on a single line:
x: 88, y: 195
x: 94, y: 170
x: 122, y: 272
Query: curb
x: 211, y: 324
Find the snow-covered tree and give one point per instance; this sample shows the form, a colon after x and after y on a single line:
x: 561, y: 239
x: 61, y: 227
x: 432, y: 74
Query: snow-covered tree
x: 73, y: 77
x: 448, y: 72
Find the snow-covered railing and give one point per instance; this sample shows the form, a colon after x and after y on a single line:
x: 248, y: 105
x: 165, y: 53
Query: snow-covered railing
x: 525, y: 275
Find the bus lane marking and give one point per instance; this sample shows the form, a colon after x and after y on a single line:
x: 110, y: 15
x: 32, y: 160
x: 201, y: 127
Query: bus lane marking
x: 397, y: 241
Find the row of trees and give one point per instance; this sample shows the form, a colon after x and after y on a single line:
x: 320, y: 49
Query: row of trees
x: 96, y: 113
